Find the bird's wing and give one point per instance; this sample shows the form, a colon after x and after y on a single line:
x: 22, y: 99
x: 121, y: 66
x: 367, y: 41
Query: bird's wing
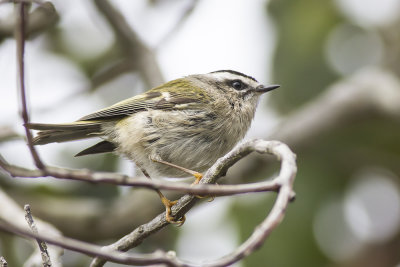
x: 184, y: 95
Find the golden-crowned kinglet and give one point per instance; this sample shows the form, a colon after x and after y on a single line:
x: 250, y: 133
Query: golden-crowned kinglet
x: 182, y: 125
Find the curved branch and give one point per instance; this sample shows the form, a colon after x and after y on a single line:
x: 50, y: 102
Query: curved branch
x: 285, y: 193
x: 124, y: 180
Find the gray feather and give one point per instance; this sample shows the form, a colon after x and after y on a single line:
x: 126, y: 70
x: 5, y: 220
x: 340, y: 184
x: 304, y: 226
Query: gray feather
x: 50, y: 133
x: 102, y: 147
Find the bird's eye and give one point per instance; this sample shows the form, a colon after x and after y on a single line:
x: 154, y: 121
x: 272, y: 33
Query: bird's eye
x: 237, y: 85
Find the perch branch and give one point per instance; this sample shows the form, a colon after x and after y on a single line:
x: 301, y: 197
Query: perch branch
x: 124, y: 180
x: 285, y: 193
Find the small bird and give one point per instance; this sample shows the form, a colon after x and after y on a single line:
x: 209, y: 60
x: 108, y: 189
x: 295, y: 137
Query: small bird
x: 177, y: 129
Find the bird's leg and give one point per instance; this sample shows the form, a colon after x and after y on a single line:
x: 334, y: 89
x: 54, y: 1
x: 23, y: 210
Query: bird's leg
x: 166, y: 202
x: 197, y: 175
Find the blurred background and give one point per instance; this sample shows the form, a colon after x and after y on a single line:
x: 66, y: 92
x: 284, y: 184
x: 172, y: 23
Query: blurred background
x: 338, y: 108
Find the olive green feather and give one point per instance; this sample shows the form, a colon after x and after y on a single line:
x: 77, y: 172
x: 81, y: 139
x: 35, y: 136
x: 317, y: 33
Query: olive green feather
x: 169, y: 96
x: 163, y: 97
x: 50, y: 133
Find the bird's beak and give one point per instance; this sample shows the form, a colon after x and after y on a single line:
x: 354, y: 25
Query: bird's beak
x: 263, y: 89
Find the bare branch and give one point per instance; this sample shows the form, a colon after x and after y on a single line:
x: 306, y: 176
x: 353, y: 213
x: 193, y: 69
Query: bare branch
x: 113, y: 71
x: 342, y: 102
x: 110, y: 253
x: 42, y: 245
x: 120, y: 179
x: 284, y: 181
x: 11, y: 213
x: 39, y: 20
x: 20, y: 38
x: 141, y: 57
x: 369, y: 92
x: 89, y: 249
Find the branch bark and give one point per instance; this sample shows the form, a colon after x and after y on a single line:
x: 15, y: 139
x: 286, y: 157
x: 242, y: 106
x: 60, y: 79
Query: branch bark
x: 12, y: 214
x: 284, y: 182
x: 40, y: 19
x: 124, y: 180
x: 41, y: 244
x: 20, y: 32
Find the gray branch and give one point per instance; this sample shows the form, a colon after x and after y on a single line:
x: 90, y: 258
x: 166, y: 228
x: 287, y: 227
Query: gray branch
x: 284, y: 182
x: 124, y: 180
x: 42, y: 245
x: 140, y: 56
x: 20, y: 32
x: 12, y: 214
x: 40, y: 19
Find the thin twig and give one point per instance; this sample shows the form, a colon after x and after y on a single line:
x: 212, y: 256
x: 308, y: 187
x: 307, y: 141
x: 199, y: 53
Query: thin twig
x: 110, y: 253
x: 141, y: 56
x: 284, y: 180
x: 42, y: 245
x: 39, y: 2
x: 12, y: 213
x: 43, y: 17
x: 354, y: 98
x: 90, y: 249
x: 20, y: 38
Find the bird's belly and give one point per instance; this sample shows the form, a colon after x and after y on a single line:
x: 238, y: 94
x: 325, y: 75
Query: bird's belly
x: 192, y: 144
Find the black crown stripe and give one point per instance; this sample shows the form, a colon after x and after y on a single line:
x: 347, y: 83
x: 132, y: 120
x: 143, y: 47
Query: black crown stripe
x: 235, y: 73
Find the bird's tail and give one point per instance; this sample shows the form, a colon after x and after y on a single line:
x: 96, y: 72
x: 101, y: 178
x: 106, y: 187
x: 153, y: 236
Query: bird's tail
x: 50, y: 133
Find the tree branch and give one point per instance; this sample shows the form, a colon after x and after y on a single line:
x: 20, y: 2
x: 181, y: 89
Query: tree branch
x: 12, y: 214
x: 285, y: 193
x: 42, y: 245
x: 141, y: 57
x: 124, y: 180
x: 20, y: 38
x: 40, y: 19
x: 284, y: 181
x: 369, y: 92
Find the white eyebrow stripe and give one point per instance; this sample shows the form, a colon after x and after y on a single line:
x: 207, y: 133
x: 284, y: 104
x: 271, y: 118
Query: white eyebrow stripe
x: 223, y: 76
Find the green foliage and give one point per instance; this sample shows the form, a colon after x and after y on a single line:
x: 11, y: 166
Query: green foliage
x: 299, y: 61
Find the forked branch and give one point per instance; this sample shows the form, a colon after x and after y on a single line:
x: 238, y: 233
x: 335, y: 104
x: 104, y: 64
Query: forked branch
x: 283, y: 184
